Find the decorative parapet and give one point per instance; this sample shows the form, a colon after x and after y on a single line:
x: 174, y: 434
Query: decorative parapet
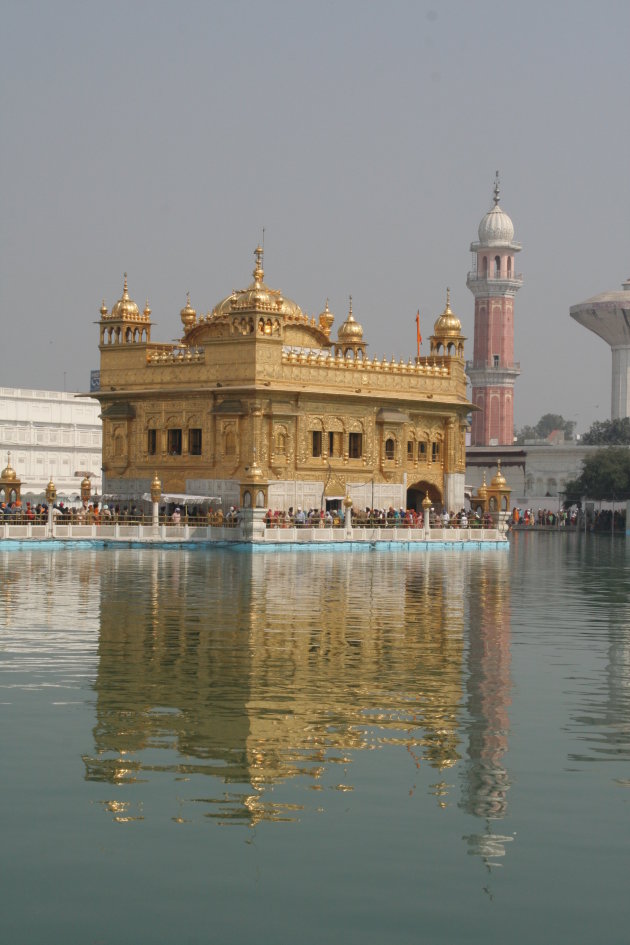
x: 324, y: 359
x: 166, y: 354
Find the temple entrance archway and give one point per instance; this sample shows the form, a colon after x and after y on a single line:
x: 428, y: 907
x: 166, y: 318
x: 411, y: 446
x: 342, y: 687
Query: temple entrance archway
x: 417, y: 492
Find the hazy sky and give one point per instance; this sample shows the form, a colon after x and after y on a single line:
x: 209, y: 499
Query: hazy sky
x: 159, y: 138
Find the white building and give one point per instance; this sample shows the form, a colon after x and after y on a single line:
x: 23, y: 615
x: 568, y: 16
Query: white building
x: 537, y: 473
x: 51, y: 433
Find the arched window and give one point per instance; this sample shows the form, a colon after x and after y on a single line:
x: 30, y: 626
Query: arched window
x: 509, y: 267
x: 485, y: 266
x: 497, y: 266
x: 389, y: 448
x: 247, y: 499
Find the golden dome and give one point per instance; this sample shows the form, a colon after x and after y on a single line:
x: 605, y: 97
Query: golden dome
x: 498, y: 480
x: 125, y: 307
x: 188, y: 315
x: 448, y: 323
x: 103, y: 310
x: 350, y: 330
x: 9, y: 472
x: 326, y: 319
x: 483, y: 489
x: 258, y: 297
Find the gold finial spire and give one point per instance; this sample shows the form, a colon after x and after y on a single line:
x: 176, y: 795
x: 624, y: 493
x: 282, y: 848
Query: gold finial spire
x: 350, y: 315
x: 258, y: 272
x: 448, y: 300
x: 125, y: 290
x: 496, y: 189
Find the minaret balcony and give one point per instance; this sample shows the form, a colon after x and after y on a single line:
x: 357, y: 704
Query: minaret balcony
x: 490, y: 374
x: 492, y: 281
x: 481, y: 365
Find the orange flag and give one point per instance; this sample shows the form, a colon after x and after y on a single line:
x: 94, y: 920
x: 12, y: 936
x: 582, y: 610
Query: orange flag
x: 418, y: 331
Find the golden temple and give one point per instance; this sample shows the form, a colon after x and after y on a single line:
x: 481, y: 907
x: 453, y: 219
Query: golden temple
x: 258, y: 405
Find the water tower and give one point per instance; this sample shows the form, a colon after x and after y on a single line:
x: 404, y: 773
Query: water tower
x: 608, y: 315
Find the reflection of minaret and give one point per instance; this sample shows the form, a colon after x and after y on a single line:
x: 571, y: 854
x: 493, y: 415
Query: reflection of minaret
x: 485, y: 779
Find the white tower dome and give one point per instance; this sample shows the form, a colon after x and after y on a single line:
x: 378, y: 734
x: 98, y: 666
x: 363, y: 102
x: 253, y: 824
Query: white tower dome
x: 496, y: 228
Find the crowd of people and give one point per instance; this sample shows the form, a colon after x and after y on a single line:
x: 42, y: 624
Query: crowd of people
x: 375, y: 518
x: 95, y: 513
x: 528, y: 518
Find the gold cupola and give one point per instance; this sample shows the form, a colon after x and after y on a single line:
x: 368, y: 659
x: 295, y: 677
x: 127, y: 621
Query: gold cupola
x: 124, y: 324
x: 188, y: 315
x: 326, y: 320
x: 8, y: 473
x: 125, y: 308
x: 259, y: 298
x: 350, y: 330
x: 447, y: 339
x: 498, y: 480
x: 10, y: 485
x: 350, y: 337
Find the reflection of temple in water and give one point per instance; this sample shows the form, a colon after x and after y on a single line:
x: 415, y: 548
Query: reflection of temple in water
x: 256, y: 668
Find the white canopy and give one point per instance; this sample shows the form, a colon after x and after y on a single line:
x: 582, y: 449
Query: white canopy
x: 181, y: 499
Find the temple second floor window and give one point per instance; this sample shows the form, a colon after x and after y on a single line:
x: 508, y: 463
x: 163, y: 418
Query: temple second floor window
x: 174, y: 442
x: 316, y: 442
x: 355, y: 445
x: 410, y: 449
x: 194, y: 441
x: 389, y: 449
x: 422, y: 451
x: 151, y: 442
x: 435, y: 451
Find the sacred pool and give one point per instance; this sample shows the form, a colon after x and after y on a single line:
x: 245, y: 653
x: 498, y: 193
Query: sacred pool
x: 345, y: 746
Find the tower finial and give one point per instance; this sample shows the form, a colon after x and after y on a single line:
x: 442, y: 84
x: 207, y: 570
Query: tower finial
x: 496, y: 189
x: 448, y: 298
x: 259, y: 272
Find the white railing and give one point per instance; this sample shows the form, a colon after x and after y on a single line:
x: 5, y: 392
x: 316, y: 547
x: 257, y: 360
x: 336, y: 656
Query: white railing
x: 176, y: 534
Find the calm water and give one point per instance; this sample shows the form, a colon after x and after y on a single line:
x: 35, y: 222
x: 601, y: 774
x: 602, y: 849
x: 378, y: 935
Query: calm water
x: 310, y: 747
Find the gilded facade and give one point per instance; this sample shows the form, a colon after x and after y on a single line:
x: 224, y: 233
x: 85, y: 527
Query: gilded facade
x: 258, y: 404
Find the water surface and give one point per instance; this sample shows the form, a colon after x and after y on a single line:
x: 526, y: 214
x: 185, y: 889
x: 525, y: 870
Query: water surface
x: 367, y: 747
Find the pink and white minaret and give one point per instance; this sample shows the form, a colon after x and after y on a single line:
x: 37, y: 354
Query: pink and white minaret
x: 493, y: 370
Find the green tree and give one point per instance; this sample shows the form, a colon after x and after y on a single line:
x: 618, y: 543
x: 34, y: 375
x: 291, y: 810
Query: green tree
x: 608, y: 433
x: 605, y: 475
x: 553, y: 421
x: 546, y: 425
